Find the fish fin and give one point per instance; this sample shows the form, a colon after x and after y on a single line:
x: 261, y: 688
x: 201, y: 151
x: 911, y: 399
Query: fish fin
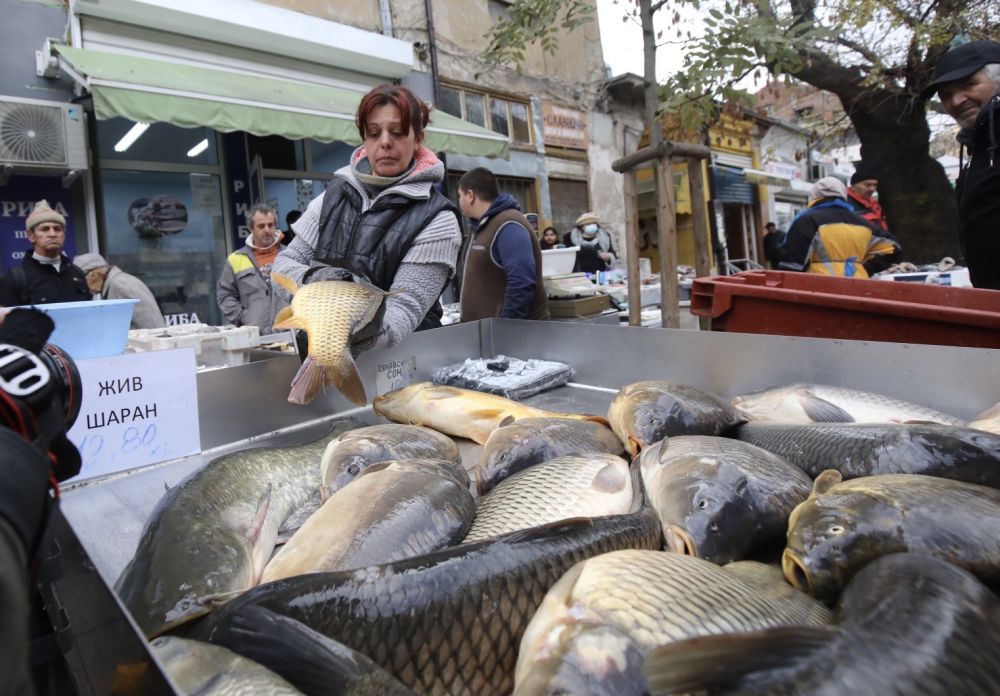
x: 595, y: 419
x: 545, y: 531
x: 719, y: 664
x: 345, y: 375
x: 506, y: 421
x: 285, y: 282
x: 822, y: 411
x: 920, y: 422
x: 825, y: 481
x: 310, y: 661
x: 285, y: 319
x: 308, y: 382
x: 441, y: 391
x: 632, y: 446
x: 263, y: 506
x: 486, y: 413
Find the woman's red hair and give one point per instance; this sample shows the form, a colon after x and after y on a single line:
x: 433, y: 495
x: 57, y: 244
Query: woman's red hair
x: 412, y: 110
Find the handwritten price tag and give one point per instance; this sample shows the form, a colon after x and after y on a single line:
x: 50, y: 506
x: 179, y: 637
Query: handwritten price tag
x: 137, y: 409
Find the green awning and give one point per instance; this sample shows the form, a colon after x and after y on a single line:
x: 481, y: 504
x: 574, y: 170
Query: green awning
x: 149, y: 90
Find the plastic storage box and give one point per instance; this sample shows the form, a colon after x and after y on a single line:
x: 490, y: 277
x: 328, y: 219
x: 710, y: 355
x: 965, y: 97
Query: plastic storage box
x: 90, y: 329
x: 558, y: 261
x: 807, y: 304
x: 215, y: 346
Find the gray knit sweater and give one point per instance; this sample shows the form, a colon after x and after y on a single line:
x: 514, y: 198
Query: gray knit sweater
x: 425, y: 268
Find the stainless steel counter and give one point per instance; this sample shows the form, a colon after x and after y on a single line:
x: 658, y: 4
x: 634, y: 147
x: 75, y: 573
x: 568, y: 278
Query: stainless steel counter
x: 247, y: 404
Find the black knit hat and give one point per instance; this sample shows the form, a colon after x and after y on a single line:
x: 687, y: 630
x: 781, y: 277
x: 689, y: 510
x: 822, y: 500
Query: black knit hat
x: 960, y: 62
x: 863, y: 171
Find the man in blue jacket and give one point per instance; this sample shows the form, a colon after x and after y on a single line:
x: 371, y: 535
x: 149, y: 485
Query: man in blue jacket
x: 503, y: 266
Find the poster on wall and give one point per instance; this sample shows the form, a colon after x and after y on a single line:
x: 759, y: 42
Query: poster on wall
x: 17, y: 198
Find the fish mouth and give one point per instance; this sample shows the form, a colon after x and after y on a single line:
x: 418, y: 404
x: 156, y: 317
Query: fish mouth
x: 795, y: 572
x: 678, y: 541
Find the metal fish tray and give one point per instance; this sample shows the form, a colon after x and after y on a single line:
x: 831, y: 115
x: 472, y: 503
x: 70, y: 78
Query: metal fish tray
x: 246, y: 404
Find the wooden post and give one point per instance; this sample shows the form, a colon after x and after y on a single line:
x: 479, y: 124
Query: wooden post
x: 699, y: 218
x: 667, y: 241
x: 632, y: 249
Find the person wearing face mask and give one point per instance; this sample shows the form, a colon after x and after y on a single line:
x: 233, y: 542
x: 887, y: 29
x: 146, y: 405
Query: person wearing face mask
x: 245, y: 293
x: 382, y: 221
x: 967, y: 81
x: 596, y: 251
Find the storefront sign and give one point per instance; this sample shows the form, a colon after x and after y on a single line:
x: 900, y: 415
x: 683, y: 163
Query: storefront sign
x: 17, y: 198
x: 138, y: 409
x: 394, y: 374
x: 562, y: 127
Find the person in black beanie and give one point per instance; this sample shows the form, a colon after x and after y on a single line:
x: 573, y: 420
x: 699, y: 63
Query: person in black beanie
x: 967, y: 81
x: 861, y: 194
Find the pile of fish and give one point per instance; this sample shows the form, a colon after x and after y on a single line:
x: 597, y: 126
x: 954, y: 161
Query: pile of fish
x: 554, y: 566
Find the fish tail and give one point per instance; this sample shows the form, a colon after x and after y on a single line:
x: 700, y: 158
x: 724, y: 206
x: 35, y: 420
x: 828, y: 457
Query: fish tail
x: 345, y: 375
x: 308, y: 382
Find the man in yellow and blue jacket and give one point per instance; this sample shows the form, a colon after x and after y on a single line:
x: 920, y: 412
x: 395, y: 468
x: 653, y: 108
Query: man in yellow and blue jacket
x: 830, y: 239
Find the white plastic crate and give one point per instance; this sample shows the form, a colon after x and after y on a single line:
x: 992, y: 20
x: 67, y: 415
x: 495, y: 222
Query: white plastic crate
x: 214, y: 346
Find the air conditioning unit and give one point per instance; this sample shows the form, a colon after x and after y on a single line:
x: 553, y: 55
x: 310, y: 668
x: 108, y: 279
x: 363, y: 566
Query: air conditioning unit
x: 42, y: 137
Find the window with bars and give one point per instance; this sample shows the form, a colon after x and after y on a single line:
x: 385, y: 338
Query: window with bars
x: 504, y: 116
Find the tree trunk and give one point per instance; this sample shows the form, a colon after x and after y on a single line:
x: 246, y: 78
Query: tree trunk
x: 918, y: 199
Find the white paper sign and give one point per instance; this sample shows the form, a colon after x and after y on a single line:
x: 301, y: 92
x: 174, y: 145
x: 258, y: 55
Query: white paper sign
x: 394, y: 374
x: 138, y: 409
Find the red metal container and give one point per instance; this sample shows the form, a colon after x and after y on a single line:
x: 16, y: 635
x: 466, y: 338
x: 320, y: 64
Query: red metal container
x: 807, y: 304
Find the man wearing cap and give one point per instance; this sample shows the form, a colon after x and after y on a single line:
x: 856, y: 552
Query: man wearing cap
x: 596, y: 251
x: 46, y: 275
x: 860, y: 194
x: 967, y: 81
x: 245, y: 292
x: 828, y: 238
x: 112, y: 283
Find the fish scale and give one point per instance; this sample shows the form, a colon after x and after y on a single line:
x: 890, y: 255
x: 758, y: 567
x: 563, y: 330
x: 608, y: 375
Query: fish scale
x: 558, y: 489
x: 466, y: 606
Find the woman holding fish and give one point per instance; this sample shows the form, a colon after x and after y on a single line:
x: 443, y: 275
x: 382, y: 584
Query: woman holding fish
x: 381, y: 220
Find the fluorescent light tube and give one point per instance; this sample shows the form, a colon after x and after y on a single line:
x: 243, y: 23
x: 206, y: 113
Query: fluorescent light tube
x: 198, y: 149
x: 129, y: 138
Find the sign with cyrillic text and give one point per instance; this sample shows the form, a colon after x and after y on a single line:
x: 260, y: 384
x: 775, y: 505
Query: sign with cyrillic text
x: 394, y: 374
x: 138, y: 409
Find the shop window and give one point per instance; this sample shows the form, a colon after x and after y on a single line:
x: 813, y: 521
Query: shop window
x: 122, y: 139
x: 329, y: 157
x: 504, y: 116
x: 167, y: 229
x: 276, y: 152
x: 286, y: 195
x: 523, y: 190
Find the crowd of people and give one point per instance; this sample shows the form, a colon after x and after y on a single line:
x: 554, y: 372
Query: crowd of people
x: 383, y: 220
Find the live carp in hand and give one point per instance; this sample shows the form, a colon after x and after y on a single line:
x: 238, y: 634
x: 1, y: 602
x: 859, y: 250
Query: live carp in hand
x: 817, y: 403
x: 350, y: 454
x: 905, y: 624
x: 717, y: 498
x: 330, y: 312
x: 459, y: 412
x: 846, y: 524
x: 213, y: 533
x: 646, y: 412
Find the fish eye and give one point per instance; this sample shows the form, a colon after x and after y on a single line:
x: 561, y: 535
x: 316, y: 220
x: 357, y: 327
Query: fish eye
x: 353, y: 469
x: 836, y: 529
x: 703, y: 503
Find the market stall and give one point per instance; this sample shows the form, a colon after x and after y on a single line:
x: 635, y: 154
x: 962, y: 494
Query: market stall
x: 246, y: 405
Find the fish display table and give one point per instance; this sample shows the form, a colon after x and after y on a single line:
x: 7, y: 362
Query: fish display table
x: 246, y: 405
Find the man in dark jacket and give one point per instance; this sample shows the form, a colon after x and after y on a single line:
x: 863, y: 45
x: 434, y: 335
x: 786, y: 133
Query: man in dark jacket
x: 47, y: 275
x: 861, y: 192
x: 828, y: 238
x: 503, y: 266
x: 967, y: 81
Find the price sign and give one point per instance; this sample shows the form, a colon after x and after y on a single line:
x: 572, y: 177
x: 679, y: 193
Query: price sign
x: 138, y: 409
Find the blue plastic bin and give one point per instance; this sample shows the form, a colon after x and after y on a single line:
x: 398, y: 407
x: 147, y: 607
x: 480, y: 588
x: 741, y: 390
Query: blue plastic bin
x: 91, y: 329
